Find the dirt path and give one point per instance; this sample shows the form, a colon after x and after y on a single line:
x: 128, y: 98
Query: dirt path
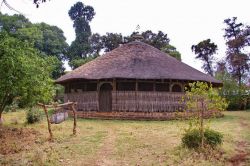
x: 107, y: 150
x: 242, y: 156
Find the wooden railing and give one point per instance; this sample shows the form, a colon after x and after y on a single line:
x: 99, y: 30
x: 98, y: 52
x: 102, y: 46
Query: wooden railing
x: 130, y: 101
x: 146, y: 101
x: 86, y: 101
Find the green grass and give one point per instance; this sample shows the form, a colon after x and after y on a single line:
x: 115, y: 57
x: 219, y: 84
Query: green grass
x: 116, y: 142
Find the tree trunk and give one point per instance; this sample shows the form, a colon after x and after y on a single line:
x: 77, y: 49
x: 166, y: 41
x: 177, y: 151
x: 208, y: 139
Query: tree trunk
x: 1, y: 121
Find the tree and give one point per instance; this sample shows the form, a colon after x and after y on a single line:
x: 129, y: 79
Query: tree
x: 96, y: 44
x: 171, y: 50
x: 204, y: 51
x: 237, y: 39
x: 12, y: 23
x: 49, y: 40
x: 81, y: 15
x: 201, y: 98
x: 157, y: 40
x: 52, y: 44
x: 78, y: 62
x: 111, y: 41
x: 24, y: 75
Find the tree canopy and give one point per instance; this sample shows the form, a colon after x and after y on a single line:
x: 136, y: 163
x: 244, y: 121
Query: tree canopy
x: 49, y: 40
x: 237, y: 40
x: 24, y: 74
x: 204, y: 51
x: 81, y: 16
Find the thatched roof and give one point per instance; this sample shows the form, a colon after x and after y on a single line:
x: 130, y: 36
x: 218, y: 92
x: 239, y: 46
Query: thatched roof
x: 136, y: 60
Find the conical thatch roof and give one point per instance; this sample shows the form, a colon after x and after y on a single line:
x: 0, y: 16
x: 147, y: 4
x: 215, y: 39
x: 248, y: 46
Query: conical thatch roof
x: 136, y: 60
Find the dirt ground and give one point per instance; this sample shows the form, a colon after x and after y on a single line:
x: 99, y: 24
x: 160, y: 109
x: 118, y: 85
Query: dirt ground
x: 117, y: 142
x: 14, y: 140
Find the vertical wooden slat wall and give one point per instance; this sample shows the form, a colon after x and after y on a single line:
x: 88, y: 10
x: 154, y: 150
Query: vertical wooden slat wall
x: 130, y: 101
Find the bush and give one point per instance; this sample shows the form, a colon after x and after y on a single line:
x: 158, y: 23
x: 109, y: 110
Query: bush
x: 33, y: 116
x: 192, y: 138
x: 213, y: 138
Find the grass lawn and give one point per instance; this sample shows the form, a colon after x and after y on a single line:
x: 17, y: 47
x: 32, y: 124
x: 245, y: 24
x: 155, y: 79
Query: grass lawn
x: 120, y: 142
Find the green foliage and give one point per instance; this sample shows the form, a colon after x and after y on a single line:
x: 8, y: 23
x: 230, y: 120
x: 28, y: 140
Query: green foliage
x: 34, y: 115
x: 12, y: 23
x: 237, y: 40
x: 49, y: 40
x: 213, y: 138
x: 12, y: 107
x: 78, y: 62
x: 81, y: 15
x: 200, y: 98
x: 24, y: 75
x: 192, y: 138
x: 171, y: 50
x: 204, y: 51
x: 204, y: 92
x: 111, y: 41
x: 236, y: 96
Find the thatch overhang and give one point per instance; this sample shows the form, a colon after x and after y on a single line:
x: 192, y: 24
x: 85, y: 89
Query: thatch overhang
x: 136, y: 60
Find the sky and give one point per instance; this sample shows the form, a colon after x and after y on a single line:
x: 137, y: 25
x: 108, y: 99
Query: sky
x: 187, y: 22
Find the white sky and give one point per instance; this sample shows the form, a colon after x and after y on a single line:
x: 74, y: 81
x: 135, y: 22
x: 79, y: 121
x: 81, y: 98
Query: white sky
x: 186, y: 22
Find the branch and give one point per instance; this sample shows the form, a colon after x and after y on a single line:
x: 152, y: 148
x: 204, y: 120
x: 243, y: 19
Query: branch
x: 9, y: 6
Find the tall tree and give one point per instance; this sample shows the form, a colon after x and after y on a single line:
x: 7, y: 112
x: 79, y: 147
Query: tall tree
x: 24, y: 75
x: 49, y: 40
x: 81, y: 15
x: 204, y: 51
x: 237, y: 39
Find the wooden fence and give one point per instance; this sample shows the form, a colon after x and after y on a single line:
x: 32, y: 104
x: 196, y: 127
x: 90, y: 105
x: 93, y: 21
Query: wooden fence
x: 130, y: 101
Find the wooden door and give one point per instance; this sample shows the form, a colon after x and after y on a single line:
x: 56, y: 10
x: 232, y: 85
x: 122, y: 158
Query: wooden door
x: 105, y: 97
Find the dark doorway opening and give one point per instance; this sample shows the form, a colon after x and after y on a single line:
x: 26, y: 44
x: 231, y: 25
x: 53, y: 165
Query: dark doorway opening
x: 105, y: 97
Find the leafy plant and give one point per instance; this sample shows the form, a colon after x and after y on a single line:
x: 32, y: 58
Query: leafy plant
x: 193, y: 138
x: 236, y: 96
x: 201, y: 97
x: 33, y: 115
x: 24, y: 75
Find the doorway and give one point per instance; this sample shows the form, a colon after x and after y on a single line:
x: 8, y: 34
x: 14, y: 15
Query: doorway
x: 105, y: 97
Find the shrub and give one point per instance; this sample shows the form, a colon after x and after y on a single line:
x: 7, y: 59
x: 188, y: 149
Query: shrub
x: 213, y: 138
x: 192, y: 138
x: 33, y: 116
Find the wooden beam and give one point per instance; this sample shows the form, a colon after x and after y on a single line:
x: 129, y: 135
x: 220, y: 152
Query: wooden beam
x: 57, y: 105
x: 74, y: 113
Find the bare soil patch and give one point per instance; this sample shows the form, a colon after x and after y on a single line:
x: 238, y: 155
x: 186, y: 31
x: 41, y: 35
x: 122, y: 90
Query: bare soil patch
x: 15, y: 140
x: 107, y: 150
x: 242, y: 155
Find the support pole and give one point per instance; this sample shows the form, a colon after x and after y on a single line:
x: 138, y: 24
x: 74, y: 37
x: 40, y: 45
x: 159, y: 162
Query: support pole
x: 48, y: 121
x: 74, y: 113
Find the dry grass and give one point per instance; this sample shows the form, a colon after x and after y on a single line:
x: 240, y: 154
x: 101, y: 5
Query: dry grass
x: 115, y: 142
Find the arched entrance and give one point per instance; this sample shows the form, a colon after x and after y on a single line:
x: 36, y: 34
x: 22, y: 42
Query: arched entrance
x: 105, y: 97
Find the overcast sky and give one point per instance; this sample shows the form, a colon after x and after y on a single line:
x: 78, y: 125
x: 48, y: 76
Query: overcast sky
x: 186, y: 22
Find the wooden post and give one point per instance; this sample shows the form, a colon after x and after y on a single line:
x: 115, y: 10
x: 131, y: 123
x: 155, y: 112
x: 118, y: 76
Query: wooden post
x: 48, y: 121
x: 74, y: 113
x: 72, y: 104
